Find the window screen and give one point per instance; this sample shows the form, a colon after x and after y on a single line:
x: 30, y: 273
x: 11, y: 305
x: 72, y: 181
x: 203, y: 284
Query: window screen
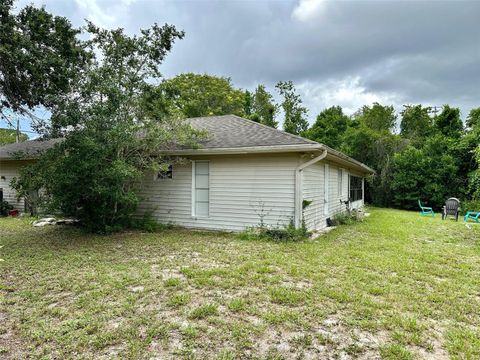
x: 356, y: 190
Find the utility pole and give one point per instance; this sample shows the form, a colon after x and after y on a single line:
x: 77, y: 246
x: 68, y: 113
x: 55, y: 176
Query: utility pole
x: 435, y: 110
x: 17, y: 137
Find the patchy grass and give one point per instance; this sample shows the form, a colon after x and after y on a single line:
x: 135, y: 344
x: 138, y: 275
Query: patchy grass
x: 395, y: 286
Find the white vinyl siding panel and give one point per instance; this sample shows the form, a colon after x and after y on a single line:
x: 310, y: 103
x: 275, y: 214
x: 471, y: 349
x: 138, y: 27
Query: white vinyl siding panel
x: 313, y: 190
x: 9, y: 170
x: 315, y: 216
x: 242, y: 190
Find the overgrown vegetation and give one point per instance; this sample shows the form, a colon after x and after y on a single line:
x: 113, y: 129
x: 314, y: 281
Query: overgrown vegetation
x: 115, y: 122
x: 286, y: 233
x: 346, y: 218
x: 394, y: 286
x: 5, y: 207
x: 113, y: 137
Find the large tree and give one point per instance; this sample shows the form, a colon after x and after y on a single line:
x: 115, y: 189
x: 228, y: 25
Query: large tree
x: 473, y: 119
x: 40, y: 58
x: 193, y: 95
x: 330, y: 127
x: 295, y: 121
x: 449, y: 123
x: 112, y: 139
x: 263, y: 107
x: 428, y: 173
x: 416, y: 123
x: 377, y: 117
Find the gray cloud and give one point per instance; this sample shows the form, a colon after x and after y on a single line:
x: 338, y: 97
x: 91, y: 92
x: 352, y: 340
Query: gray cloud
x: 345, y: 52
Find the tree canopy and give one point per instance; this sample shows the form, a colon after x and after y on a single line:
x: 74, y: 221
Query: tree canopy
x: 40, y: 58
x: 193, y: 95
x: 9, y: 136
x: 111, y: 139
x: 295, y: 114
x: 263, y: 108
x: 329, y: 127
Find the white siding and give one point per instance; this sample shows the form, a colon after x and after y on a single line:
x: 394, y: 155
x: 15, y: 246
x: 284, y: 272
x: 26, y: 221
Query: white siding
x: 240, y: 187
x: 9, y: 170
x: 313, y: 190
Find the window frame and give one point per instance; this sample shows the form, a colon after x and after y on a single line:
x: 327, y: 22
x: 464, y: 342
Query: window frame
x: 194, y: 189
x: 356, y: 189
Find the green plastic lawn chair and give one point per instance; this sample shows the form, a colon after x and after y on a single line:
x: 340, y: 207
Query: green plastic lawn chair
x: 425, y: 210
x: 472, y: 215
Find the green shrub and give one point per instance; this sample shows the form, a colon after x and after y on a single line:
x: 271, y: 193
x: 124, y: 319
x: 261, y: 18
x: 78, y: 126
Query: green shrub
x: 470, y: 205
x: 5, y: 207
x: 278, y: 234
x: 344, y: 218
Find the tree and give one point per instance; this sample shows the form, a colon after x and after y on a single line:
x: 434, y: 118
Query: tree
x: 448, y: 122
x: 474, y: 183
x: 264, y: 110
x: 416, y: 123
x: 194, y: 95
x: 295, y: 113
x: 473, y: 119
x: 248, y: 104
x: 377, y: 150
x: 428, y: 173
x: 330, y: 127
x: 112, y: 139
x: 9, y: 136
x: 377, y: 117
x: 40, y: 59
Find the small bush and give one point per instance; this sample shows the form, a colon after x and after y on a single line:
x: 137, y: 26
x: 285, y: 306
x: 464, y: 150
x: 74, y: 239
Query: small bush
x: 280, y: 234
x: 5, y: 207
x: 347, y: 218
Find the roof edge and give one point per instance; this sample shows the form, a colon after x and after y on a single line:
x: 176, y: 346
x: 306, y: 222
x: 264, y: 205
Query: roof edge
x: 246, y: 150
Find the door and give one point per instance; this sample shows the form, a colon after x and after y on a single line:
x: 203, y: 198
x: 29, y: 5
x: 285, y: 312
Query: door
x: 326, y: 182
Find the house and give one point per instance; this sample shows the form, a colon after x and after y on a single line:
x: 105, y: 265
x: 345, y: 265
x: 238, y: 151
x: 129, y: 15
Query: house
x: 244, y: 174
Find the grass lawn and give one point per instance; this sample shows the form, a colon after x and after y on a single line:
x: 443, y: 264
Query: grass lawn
x: 396, y: 286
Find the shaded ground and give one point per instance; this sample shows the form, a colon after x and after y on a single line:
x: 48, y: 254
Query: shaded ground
x: 396, y: 286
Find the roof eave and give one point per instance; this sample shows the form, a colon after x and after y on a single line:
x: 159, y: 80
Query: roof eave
x: 357, y: 164
x: 246, y: 150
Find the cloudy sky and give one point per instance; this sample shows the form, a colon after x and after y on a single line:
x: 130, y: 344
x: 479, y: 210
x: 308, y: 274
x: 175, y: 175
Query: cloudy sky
x: 346, y: 53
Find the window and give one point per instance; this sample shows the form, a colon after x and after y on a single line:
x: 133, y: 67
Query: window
x: 356, y: 188
x: 166, y: 173
x: 201, y: 188
x: 339, y: 182
x: 1, y: 194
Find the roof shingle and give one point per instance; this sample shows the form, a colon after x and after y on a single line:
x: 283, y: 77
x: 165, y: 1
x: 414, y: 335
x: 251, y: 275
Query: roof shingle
x: 230, y: 131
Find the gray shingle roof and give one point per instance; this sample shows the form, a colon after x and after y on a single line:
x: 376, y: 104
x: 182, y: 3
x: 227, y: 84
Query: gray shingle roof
x: 230, y: 131
x: 225, y: 132
x: 26, y: 149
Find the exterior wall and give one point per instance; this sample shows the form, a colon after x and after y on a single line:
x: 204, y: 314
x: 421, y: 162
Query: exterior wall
x: 243, y: 188
x: 313, y: 190
x: 9, y: 170
x: 359, y: 203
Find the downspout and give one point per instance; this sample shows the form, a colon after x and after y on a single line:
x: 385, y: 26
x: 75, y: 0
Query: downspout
x: 299, y: 187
